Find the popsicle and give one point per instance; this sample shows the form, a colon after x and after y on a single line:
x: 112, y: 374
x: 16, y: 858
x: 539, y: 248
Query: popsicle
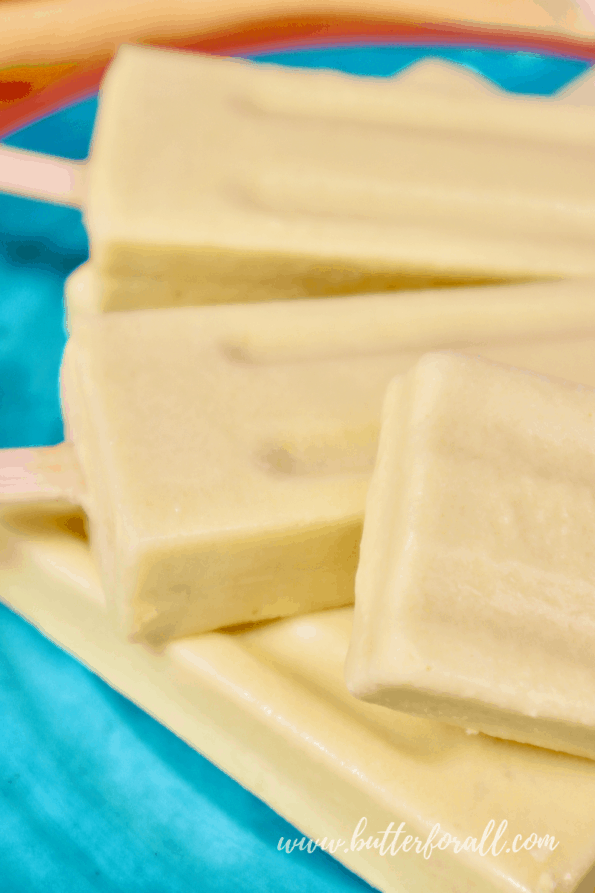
x: 270, y: 707
x: 474, y: 594
x: 268, y: 182
x: 226, y: 450
x: 83, y: 289
x: 217, y: 180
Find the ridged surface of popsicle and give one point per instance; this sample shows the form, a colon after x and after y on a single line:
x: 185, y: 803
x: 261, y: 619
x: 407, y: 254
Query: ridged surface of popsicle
x: 264, y: 182
x: 227, y: 450
x: 475, y: 588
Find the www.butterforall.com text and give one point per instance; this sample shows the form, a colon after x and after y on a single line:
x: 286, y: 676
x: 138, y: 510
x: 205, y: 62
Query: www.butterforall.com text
x: 396, y: 840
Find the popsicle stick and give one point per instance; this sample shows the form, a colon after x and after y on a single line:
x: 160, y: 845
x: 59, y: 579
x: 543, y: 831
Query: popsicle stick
x: 588, y: 8
x: 41, y: 474
x: 44, y: 177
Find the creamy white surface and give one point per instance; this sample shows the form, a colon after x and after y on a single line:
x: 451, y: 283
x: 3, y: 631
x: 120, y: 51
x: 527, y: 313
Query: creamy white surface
x: 227, y: 450
x: 270, y: 707
x: 475, y: 591
x: 263, y: 181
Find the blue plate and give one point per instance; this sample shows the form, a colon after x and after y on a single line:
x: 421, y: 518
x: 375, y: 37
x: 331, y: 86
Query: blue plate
x: 94, y: 794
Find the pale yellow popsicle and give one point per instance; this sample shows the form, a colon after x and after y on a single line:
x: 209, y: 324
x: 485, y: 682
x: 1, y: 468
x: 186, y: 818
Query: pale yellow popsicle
x: 226, y: 450
x: 270, y: 707
x: 84, y: 291
x: 216, y: 180
x: 475, y: 592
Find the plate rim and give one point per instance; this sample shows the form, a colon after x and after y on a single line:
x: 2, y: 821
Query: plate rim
x: 303, y: 34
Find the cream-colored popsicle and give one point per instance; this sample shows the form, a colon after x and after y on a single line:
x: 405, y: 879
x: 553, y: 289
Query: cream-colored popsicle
x: 265, y: 182
x: 227, y: 450
x: 475, y: 592
x: 270, y: 707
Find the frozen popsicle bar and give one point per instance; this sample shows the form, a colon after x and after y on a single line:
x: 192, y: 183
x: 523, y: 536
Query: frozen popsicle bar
x: 226, y: 450
x: 214, y: 180
x: 475, y: 593
x: 269, y: 706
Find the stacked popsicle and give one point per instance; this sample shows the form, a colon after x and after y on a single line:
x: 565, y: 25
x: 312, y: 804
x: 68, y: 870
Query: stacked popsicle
x: 267, y: 183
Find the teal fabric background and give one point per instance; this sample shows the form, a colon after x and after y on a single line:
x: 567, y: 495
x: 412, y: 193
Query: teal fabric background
x: 94, y: 794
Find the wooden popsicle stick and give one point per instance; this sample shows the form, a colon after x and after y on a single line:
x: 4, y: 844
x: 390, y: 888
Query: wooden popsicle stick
x: 41, y: 474
x: 44, y: 177
x: 588, y: 8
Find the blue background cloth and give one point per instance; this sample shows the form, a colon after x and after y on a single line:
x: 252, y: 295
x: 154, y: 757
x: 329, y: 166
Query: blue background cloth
x: 94, y: 794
